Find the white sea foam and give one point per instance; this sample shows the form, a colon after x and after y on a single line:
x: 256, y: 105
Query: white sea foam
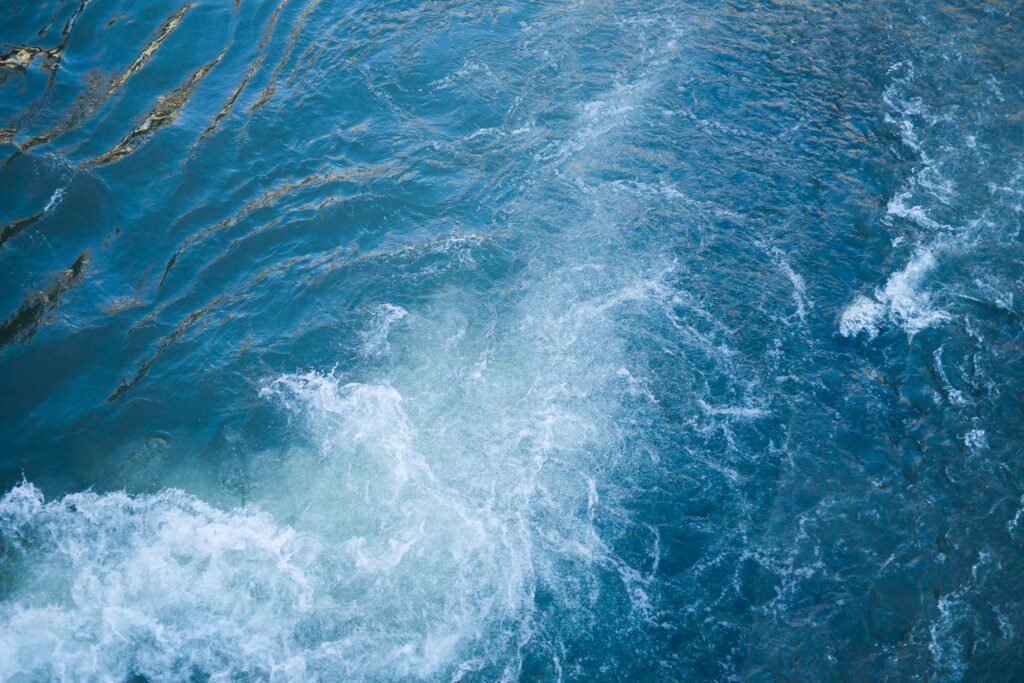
x: 383, y: 571
x: 111, y: 585
x: 734, y: 411
x: 899, y: 207
x: 901, y: 302
x: 375, y: 338
x: 948, y: 643
x: 976, y: 441
x: 954, y: 395
x: 861, y: 315
x: 800, y: 299
x: 54, y: 200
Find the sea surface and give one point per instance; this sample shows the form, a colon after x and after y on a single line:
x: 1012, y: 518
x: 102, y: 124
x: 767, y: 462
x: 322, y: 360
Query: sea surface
x: 452, y: 340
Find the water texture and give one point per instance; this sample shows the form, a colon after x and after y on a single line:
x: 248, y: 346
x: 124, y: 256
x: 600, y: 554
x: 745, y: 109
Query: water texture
x: 389, y: 341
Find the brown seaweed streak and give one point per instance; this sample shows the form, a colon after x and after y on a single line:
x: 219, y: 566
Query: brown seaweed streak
x: 195, y: 316
x: 186, y: 323
x: 84, y: 108
x: 268, y: 92
x: 14, y: 227
x: 192, y: 318
x: 250, y: 72
x: 20, y: 57
x: 170, y: 23
x: 312, y: 54
x: 266, y: 199
x: 46, y: 29
x: 167, y: 109
x: 23, y: 323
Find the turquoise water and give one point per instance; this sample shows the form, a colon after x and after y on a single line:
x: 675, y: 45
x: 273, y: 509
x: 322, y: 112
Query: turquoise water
x: 535, y: 341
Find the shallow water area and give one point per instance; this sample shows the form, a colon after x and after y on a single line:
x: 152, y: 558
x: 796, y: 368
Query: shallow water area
x: 536, y: 341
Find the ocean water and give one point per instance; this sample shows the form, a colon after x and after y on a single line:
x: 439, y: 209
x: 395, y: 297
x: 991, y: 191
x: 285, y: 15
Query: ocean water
x: 388, y: 341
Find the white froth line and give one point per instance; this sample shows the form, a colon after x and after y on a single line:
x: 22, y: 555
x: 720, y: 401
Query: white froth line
x: 733, y: 411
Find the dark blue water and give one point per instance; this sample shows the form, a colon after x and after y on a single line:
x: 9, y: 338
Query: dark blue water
x: 537, y: 341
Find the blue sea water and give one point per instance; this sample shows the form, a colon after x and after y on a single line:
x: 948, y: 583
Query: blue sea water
x: 663, y: 340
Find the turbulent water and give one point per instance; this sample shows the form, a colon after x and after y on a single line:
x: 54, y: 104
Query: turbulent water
x: 666, y: 340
